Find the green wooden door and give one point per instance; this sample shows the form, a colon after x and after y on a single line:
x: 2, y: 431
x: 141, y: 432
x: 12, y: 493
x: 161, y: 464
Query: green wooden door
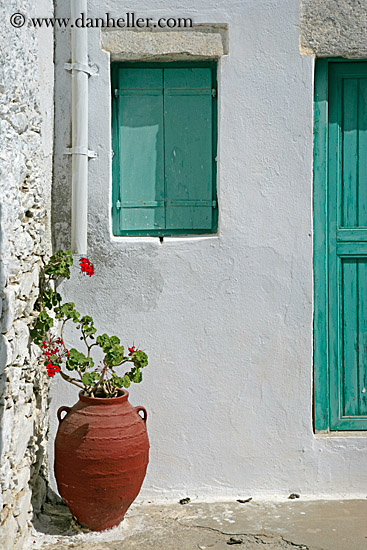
x: 341, y: 252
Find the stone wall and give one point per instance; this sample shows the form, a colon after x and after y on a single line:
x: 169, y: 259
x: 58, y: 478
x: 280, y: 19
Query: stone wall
x: 335, y: 28
x: 26, y: 122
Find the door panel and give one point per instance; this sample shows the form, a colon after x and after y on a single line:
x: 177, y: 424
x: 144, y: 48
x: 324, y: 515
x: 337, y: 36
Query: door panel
x: 347, y: 244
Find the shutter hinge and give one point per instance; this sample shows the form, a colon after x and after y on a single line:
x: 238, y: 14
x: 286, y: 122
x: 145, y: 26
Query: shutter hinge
x: 214, y: 92
x: 118, y: 205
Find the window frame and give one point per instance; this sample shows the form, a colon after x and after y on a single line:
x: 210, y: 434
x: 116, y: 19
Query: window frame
x: 115, y: 212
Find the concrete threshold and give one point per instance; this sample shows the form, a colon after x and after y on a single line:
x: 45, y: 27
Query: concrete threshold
x: 290, y: 525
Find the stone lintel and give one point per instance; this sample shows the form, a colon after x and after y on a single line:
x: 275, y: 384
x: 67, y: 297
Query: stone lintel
x: 207, y: 41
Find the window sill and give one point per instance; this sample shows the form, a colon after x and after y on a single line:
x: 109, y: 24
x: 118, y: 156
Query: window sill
x: 165, y: 240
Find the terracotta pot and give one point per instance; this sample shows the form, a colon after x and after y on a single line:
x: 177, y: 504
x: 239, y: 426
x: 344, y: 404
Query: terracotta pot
x: 101, y: 457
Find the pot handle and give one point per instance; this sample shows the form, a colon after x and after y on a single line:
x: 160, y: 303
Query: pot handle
x: 60, y: 411
x: 138, y: 409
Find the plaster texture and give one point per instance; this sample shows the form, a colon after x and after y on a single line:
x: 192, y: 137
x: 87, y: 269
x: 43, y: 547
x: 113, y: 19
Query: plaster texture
x: 226, y: 319
x: 335, y: 28
x: 26, y: 130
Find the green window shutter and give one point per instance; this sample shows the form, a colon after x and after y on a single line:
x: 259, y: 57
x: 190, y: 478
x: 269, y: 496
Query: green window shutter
x: 189, y: 148
x: 341, y: 260
x: 139, y: 99
x: 164, y: 142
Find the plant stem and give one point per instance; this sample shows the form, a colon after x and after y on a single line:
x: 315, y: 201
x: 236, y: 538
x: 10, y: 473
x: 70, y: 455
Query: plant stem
x: 125, y: 360
x: 104, y: 370
x: 62, y: 330
x: 90, y: 347
x: 86, y: 343
x: 71, y: 380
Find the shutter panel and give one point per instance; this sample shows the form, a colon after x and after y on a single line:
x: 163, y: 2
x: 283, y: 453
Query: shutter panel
x: 141, y: 165
x: 188, y: 112
x: 347, y: 256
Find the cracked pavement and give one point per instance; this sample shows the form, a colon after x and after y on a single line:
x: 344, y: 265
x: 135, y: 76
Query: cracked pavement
x: 284, y: 525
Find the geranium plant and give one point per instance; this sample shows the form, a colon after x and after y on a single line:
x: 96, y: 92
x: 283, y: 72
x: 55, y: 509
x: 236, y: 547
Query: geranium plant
x: 96, y: 379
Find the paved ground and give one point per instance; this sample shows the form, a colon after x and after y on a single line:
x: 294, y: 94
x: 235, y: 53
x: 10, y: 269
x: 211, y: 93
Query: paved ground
x: 289, y: 525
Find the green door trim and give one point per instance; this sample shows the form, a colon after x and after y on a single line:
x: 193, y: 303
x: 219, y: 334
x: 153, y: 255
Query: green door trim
x: 320, y: 213
x: 328, y: 414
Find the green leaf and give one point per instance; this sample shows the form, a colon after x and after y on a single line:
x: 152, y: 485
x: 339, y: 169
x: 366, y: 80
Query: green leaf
x: 138, y: 377
x: 111, y: 347
x: 67, y: 311
x: 51, y: 298
x: 140, y: 359
x: 59, y: 265
x: 77, y: 359
x: 126, y: 381
x: 89, y: 378
x: 88, y: 325
x: 102, y: 340
x: 44, y: 321
x: 117, y: 381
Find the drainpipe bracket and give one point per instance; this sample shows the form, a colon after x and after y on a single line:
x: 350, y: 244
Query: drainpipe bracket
x: 91, y: 70
x: 80, y: 151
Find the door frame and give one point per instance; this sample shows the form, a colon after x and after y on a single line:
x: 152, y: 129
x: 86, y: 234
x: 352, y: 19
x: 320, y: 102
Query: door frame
x: 322, y: 352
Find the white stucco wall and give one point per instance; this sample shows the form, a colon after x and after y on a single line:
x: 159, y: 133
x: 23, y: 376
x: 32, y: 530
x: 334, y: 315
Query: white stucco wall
x: 227, y: 319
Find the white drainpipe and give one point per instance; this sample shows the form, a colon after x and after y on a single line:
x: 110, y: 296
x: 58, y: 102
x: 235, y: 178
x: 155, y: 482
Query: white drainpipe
x: 79, y: 147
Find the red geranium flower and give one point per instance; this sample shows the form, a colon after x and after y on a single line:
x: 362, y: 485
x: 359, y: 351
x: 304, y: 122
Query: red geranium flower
x: 86, y: 266
x: 52, y: 369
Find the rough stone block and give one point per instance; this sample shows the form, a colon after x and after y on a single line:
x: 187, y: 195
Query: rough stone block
x: 29, y: 307
x: 8, y: 532
x: 22, y: 477
x: 13, y: 377
x: 24, y: 245
x: 6, y: 429
x: 5, y: 477
x: 21, y: 341
x: 28, y: 391
x: 5, y: 353
x: 23, y: 431
x: 199, y: 42
x: 8, y: 314
x: 333, y: 28
x: 27, y: 281
x: 21, y: 541
x: 22, y: 503
x: 13, y: 268
x: 27, y: 201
